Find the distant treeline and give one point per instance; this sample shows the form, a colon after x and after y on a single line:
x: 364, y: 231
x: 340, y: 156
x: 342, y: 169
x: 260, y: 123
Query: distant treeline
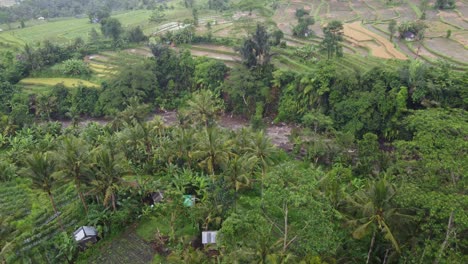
x: 29, y: 9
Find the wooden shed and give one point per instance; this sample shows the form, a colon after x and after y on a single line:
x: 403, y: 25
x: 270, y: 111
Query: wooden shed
x: 85, y: 235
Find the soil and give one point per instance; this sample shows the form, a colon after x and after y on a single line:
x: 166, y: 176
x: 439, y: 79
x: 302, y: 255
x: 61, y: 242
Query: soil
x: 380, y: 46
x: 278, y: 133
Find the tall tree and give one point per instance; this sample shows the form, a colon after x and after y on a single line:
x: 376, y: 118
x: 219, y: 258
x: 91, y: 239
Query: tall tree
x: 73, y: 158
x: 263, y: 152
x: 111, y: 28
x: 108, y: 169
x: 212, y: 149
x: 40, y: 168
x: 203, y: 108
x: 375, y: 213
x: 256, y: 49
x: 333, y: 36
x: 195, y: 17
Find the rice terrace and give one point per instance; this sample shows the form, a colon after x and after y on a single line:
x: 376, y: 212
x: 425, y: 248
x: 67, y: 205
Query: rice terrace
x: 233, y: 131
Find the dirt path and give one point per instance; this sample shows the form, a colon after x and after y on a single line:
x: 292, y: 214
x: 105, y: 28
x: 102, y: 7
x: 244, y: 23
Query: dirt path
x: 278, y: 133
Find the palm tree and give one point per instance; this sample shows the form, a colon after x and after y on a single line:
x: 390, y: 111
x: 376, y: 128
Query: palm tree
x: 203, y: 108
x: 108, y: 169
x: 182, y: 145
x: 73, y: 157
x: 238, y: 172
x: 74, y: 115
x: 375, y: 213
x: 262, y: 152
x: 213, y: 149
x: 40, y: 168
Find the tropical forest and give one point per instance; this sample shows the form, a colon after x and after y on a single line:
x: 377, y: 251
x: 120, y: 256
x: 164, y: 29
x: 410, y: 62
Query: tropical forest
x: 234, y: 131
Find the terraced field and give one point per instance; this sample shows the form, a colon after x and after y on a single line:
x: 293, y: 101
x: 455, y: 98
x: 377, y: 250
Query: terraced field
x: 371, y: 37
x: 67, y: 82
x: 378, y: 45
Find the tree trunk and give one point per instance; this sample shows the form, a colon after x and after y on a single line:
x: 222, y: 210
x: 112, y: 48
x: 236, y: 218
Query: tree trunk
x: 83, y: 201
x: 52, y: 201
x: 114, y: 207
x: 285, y: 238
x: 386, y: 256
x: 447, y: 236
x: 80, y: 194
x: 371, y: 247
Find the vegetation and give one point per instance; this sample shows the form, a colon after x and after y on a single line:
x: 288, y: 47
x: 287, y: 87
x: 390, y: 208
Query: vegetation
x: 296, y: 150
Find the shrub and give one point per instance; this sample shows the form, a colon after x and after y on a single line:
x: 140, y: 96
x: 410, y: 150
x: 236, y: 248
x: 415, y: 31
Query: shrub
x: 74, y: 67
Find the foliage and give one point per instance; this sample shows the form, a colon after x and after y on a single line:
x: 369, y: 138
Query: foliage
x: 302, y: 27
x: 444, y: 4
x: 136, y: 35
x: 111, y: 27
x: 73, y: 67
x: 218, y: 4
x: 392, y: 28
x: 416, y: 27
x: 157, y: 16
x: 333, y: 36
x: 256, y: 49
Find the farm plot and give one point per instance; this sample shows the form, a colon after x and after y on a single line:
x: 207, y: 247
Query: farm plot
x: 67, y: 82
x: 453, y: 18
x: 64, y: 30
x: 222, y: 53
x: 461, y: 37
x: 378, y: 45
x: 438, y: 29
x: 363, y: 10
x: 341, y: 11
x: 447, y: 48
x: 406, y: 13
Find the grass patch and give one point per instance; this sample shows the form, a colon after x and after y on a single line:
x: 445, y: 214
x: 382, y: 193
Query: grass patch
x: 149, y: 226
x: 67, y: 82
x: 415, y: 8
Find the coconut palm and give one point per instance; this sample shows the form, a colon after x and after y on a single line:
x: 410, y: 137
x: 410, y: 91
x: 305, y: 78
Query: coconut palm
x: 376, y: 214
x: 40, y: 168
x: 181, y: 145
x: 262, y: 152
x: 108, y: 169
x: 238, y: 172
x: 213, y: 149
x: 73, y: 164
x: 203, y: 108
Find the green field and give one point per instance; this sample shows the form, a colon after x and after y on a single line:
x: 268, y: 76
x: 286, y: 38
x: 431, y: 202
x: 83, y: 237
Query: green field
x: 67, y: 82
x: 64, y: 30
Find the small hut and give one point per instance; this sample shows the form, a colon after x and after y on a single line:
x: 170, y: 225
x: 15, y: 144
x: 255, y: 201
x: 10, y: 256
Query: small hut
x: 156, y: 197
x: 209, y: 237
x: 85, y: 235
x: 409, y: 36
